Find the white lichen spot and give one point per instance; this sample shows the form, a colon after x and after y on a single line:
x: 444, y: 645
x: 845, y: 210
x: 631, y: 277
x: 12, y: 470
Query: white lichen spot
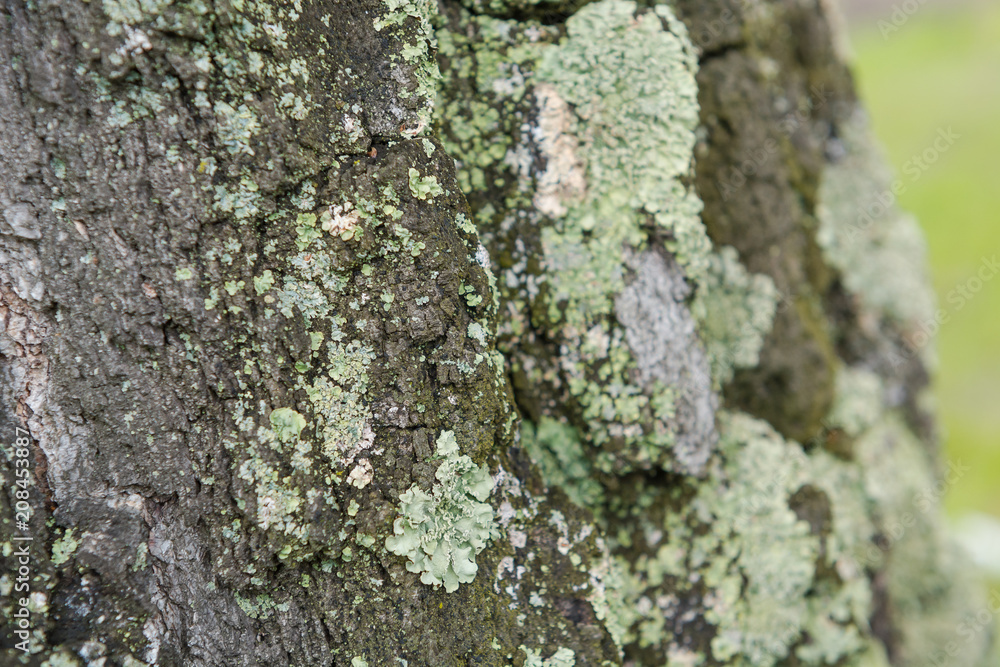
x: 564, y: 177
x: 136, y: 42
x: 339, y: 218
x: 361, y: 475
x: 563, y: 657
x: 518, y: 538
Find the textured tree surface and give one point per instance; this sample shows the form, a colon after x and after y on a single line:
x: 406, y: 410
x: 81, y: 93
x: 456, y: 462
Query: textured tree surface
x: 494, y: 333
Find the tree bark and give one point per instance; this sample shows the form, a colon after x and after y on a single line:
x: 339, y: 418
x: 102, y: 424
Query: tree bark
x: 492, y: 333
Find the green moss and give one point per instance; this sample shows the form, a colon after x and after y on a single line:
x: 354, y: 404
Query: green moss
x: 441, y: 533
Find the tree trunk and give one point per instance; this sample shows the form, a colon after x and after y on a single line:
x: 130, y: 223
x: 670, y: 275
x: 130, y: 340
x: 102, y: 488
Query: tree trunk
x: 493, y: 333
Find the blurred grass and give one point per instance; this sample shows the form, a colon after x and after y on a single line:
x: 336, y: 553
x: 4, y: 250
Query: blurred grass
x: 942, y: 69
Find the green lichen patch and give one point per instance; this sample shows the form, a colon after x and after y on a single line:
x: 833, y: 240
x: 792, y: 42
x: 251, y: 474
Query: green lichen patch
x: 734, y: 310
x: 559, y: 454
x: 612, y: 108
x: 632, y: 87
x: 287, y: 423
x: 878, y: 249
x: 441, y: 532
x: 753, y: 552
x: 932, y: 588
x: 563, y: 657
x: 64, y: 548
x: 423, y: 187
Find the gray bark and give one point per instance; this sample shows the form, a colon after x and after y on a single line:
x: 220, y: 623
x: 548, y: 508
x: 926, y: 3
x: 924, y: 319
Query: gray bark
x: 252, y: 289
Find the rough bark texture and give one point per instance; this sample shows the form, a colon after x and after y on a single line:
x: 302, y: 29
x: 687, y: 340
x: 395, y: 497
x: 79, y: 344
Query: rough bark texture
x: 494, y: 333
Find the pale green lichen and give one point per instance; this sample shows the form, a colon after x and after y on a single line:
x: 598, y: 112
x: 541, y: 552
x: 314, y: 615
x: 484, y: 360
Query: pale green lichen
x: 61, y: 658
x: 930, y: 582
x: 441, y: 532
x: 563, y: 657
x: 417, y: 54
x: 64, y: 548
x: 263, y: 282
x: 141, y: 552
x: 338, y: 401
x: 615, y: 109
x: 424, y: 187
x: 635, y: 100
x: 858, y: 401
x: 734, y: 310
x: 287, y: 423
x: 878, y: 249
x: 741, y: 539
x: 557, y: 451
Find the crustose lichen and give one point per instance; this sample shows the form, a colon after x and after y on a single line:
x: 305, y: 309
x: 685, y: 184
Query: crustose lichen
x: 443, y: 531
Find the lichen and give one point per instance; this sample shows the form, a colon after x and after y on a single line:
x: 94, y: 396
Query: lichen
x: 878, y: 249
x: 741, y: 539
x: 441, y: 532
x: 734, y: 310
x: 287, y: 423
x: 424, y: 187
x: 64, y: 548
x: 615, y: 103
x: 563, y: 657
x: 416, y: 52
x: 557, y: 451
x: 636, y: 110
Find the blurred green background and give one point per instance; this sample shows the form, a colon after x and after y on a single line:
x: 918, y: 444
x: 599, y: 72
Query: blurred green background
x: 934, y: 68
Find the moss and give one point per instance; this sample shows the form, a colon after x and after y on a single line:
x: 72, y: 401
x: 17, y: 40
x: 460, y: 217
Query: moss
x: 441, y: 533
